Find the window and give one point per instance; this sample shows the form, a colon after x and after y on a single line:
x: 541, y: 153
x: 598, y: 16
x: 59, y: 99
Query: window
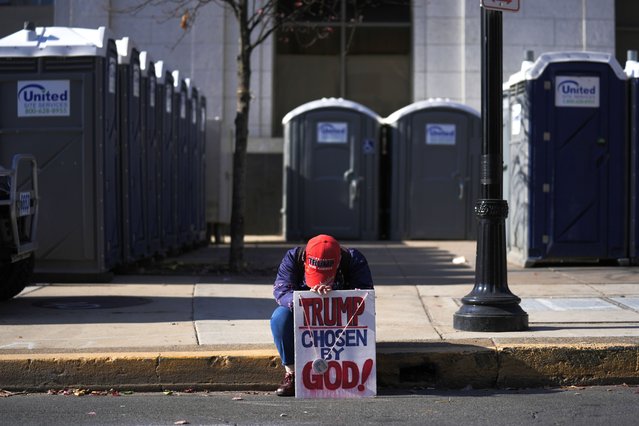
x: 627, y: 31
x: 14, y: 13
x: 360, y: 52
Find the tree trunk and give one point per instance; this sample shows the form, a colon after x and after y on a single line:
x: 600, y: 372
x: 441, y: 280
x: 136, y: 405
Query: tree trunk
x: 236, y: 256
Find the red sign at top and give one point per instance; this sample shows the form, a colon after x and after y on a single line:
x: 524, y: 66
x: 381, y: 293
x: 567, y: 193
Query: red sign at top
x: 505, y: 5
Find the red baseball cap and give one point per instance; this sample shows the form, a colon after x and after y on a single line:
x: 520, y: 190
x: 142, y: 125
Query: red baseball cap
x: 323, y: 254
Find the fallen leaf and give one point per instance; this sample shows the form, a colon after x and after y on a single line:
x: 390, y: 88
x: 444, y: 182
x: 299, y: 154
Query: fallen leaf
x: 168, y: 392
x: 184, y: 20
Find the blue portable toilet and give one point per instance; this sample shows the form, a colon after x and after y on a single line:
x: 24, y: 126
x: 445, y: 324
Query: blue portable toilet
x: 434, y: 148
x: 567, y: 166
x: 58, y: 102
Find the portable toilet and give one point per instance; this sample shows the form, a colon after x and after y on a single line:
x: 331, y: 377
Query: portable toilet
x: 181, y: 136
x: 199, y: 163
x: 632, y: 72
x: 434, y: 148
x: 58, y: 89
x: 511, y: 122
x: 192, y: 169
x: 134, y: 241
x: 567, y: 167
x: 151, y: 137
x: 331, y: 170
x: 169, y: 188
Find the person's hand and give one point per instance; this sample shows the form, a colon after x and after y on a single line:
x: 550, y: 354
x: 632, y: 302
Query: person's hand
x: 322, y: 288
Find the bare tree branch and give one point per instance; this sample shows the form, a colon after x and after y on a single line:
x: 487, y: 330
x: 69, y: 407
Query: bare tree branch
x: 257, y: 20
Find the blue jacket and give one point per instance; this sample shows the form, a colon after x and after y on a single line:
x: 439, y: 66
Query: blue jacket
x: 290, y: 276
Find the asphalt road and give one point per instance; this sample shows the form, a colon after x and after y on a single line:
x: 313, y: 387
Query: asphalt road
x: 618, y: 405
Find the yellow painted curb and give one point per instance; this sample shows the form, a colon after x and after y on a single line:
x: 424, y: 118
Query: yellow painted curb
x: 440, y: 365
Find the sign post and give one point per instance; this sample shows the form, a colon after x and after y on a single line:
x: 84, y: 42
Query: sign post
x: 505, y: 5
x: 335, y: 344
x: 490, y: 306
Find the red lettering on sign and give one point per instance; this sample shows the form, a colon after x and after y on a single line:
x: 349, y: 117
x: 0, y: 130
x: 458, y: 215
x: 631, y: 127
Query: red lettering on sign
x: 340, y: 375
x: 329, y: 311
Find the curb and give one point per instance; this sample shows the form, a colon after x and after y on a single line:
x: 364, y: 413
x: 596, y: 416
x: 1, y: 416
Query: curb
x: 415, y: 365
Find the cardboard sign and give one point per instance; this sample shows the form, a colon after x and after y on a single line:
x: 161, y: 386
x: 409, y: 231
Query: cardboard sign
x: 335, y: 344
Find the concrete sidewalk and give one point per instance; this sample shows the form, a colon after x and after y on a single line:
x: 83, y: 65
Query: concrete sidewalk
x: 185, y: 324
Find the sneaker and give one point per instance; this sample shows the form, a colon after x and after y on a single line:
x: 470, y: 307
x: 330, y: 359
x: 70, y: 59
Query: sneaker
x: 287, y: 388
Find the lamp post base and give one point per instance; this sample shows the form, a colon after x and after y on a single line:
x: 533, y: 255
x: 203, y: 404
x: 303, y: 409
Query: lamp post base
x: 485, y: 318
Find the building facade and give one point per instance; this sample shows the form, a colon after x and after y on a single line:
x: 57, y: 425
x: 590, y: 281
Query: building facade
x: 387, y: 60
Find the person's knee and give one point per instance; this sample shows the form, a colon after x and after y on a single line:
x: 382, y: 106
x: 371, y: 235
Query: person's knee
x: 281, y: 318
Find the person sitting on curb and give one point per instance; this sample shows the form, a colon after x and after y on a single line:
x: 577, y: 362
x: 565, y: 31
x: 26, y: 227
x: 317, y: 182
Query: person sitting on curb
x: 320, y: 267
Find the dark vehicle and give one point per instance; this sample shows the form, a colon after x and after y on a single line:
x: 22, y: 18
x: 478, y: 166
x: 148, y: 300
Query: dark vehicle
x: 18, y: 219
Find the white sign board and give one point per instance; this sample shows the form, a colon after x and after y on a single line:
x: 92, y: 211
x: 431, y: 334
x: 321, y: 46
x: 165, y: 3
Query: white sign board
x: 332, y: 132
x: 503, y: 5
x: 44, y: 98
x: 335, y: 344
x: 577, y: 92
x: 440, y: 134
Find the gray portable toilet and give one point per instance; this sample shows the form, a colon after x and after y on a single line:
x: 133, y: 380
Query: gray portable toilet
x: 632, y: 72
x: 151, y: 132
x: 511, y: 116
x: 181, y: 136
x: 199, y: 163
x: 331, y: 170
x: 568, y: 160
x: 58, y: 89
x: 434, y: 147
x: 134, y: 240
x: 192, y: 167
x: 168, y: 209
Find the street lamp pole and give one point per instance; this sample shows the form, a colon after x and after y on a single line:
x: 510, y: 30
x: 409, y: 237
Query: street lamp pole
x: 491, y: 306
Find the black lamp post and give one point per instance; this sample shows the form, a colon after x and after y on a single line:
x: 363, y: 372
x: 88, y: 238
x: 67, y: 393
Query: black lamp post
x: 491, y: 306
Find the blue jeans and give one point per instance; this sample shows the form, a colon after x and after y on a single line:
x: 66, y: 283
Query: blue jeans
x: 283, y: 335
